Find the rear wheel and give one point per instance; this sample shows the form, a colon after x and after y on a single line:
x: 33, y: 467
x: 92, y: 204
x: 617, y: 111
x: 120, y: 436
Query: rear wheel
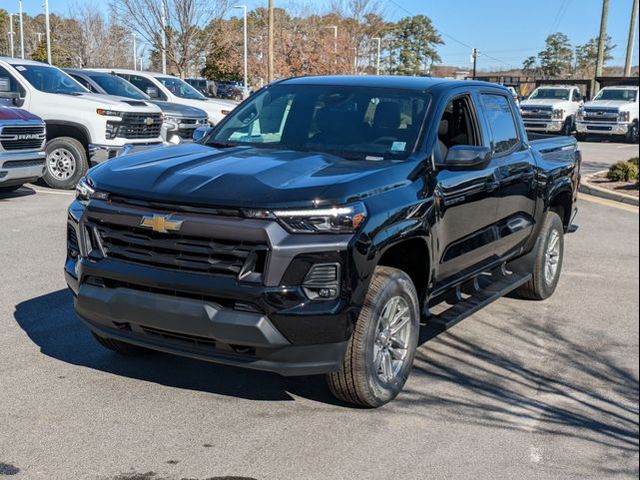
x: 546, y: 260
x: 382, y: 348
x: 119, y: 347
x: 66, y: 163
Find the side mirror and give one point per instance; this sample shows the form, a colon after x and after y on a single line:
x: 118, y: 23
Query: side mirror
x: 467, y: 156
x: 5, y: 89
x: 153, y: 92
x: 201, y: 132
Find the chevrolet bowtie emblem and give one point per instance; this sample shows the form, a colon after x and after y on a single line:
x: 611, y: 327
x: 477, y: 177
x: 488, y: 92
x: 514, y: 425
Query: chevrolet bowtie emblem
x: 161, y: 223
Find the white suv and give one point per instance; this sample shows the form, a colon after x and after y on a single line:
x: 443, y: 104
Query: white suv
x: 172, y: 89
x: 612, y: 112
x: 552, y: 109
x: 82, y: 127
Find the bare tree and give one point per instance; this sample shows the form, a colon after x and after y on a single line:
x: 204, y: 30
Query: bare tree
x: 184, y: 28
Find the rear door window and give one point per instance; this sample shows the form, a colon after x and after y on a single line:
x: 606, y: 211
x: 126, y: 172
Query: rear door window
x: 501, y: 121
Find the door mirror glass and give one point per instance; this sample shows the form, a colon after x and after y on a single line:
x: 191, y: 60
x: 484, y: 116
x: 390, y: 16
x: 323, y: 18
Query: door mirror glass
x: 153, y: 92
x: 200, y: 132
x: 467, y: 156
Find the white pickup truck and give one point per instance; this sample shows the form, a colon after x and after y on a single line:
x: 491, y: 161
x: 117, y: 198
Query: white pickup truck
x: 168, y: 88
x: 612, y: 113
x: 552, y: 109
x: 82, y: 127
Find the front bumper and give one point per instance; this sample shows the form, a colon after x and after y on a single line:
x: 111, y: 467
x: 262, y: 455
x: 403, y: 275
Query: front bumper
x: 20, y: 168
x: 603, y: 128
x: 269, y: 325
x: 543, y: 125
x: 101, y: 153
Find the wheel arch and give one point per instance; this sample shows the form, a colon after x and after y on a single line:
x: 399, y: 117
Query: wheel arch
x: 561, y: 202
x: 60, y: 128
x: 412, y: 256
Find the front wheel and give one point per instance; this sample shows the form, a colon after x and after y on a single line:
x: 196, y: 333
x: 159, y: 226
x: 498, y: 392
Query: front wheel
x: 567, y: 127
x: 546, y: 260
x: 632, y: 134
x: 381, y: 350
x: 66, y: 163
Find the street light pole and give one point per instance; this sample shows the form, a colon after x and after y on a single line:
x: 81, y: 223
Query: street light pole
x: 135, y: 52
x: 378, y: 40
x: 246, y: 53
x: 48, y: 30
x: 21, y: 31
x: 11, y: 34
x: 164, y: 38
x: 630, y: 41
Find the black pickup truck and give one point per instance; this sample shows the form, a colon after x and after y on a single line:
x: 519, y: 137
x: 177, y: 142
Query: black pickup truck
x: 318, y: 226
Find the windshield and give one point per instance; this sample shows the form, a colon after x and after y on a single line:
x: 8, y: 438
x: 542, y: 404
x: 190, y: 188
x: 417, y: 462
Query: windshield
x: 180, y: 88
x: 50, y: 79
x: 114, y: 85
x: 617, y: 94
x: 352, y: 122
x: 553, y: 93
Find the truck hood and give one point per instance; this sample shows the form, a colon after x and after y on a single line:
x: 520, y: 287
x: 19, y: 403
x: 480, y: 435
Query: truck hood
x: 607, y: 103
x: 9, y: 113
x: 177, y: 110
x: 245, y: 177
x: 542, y: 102
x: 109, y: 102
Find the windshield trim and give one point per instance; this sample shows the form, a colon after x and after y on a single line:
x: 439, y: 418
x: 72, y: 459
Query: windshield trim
x: 363, y: 156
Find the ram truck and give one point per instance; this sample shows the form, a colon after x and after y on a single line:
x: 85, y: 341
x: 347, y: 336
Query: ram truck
x: 320, y: 226
x: 552, y: 109
x: 83, y: 128
x: 22, y: 139
x: 613, y: 113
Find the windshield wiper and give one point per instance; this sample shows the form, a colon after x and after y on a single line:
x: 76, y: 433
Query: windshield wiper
x: 221, y: 145
x: 62, y: 92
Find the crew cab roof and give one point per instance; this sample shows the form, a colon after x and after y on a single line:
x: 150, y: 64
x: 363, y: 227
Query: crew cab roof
x: 382, y: 81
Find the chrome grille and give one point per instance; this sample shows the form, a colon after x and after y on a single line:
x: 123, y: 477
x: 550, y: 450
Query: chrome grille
x: 600, y: 114
x: 27, y: 137
x: 536, y: 113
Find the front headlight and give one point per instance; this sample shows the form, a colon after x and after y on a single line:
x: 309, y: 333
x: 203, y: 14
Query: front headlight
x: 558, y: 114
x: 171, y: 122
x: 624, y: 116
x: 580, y: 114
x: 347, y: 219
x: 85, y: 191
x: 109, y: 113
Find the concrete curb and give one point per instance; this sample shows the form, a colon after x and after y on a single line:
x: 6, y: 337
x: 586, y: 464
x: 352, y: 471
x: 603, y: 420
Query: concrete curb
x: 589, y: 188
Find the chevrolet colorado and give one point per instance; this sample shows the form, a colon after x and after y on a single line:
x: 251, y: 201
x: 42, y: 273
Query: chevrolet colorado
x: 317, y: 226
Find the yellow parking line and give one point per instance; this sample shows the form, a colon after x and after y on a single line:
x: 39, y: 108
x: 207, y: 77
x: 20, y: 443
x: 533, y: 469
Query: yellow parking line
x: 608, y: 203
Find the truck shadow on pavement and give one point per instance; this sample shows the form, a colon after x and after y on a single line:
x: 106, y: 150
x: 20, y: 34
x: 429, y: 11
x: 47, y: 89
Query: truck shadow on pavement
x: 51, y: 323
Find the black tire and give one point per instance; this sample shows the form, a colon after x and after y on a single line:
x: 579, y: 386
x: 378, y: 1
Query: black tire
x: 10, y: 189
x: 119, y: 347
x: 358, y: 381
x: 632, y: 135
x: 541, y: 286
x: 581, y: 137
x: 66, y: 163
x: 567, y: 127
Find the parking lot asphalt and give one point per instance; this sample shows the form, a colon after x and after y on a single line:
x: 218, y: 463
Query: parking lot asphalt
x: 521, y: 390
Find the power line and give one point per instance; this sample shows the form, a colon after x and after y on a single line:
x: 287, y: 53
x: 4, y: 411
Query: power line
x: 451, y: 37
x: 562, y: 9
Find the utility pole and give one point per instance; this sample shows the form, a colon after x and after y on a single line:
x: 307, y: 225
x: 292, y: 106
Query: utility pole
x: 135, y: 52
x: 11, y: 35
x: 270, y: 44
x: 245, y: 93
x: 48, y: 30
x: 378, y: 41
x: 632, y: 37
x: 163, y: 18
x: 474, y: 61
x: 602, y: 40
x: 21, y: 31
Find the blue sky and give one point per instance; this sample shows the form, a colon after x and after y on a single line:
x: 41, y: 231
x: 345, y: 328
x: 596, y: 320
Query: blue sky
x: 505, y: 30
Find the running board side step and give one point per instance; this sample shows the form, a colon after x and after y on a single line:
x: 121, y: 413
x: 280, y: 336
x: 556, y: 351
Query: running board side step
x: 484, y: 290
